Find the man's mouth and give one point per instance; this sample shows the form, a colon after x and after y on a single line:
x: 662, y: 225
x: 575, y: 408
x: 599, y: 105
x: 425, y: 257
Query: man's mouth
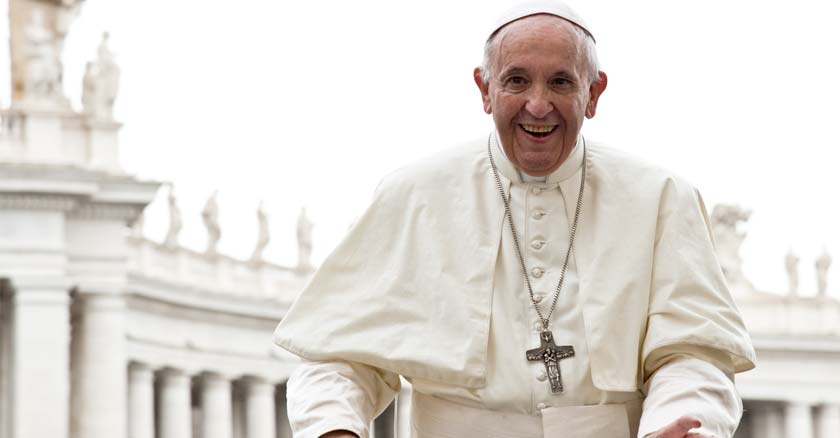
x: 538, y: 130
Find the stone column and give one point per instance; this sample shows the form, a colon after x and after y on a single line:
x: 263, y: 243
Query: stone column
x: 175, y: 409
x: 141, y: 401
x: 828, y: 421
x: 767, y: 421
x: 284, y: 430
x: 259, y: 408
x: 216, y: 406
x: 40, y: 392
x: 98, y: 360
x: 799, y: 422
x: 239, y: 411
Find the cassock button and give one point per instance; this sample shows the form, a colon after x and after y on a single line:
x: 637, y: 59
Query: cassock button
x: 538, y: 327
x: 537, y: 214
x: 538, y: 298
x: 542, y: 376
x: 535, y: 190
x: 537, y: 272
x: 541, y: 406
x: 537, y: 244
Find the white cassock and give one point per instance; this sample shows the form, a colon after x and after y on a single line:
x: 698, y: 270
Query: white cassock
x: 427, y: 285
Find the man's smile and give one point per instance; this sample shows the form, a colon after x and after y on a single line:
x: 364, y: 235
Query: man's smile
x: 539, y: 131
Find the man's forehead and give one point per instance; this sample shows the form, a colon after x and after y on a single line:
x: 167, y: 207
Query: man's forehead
x: 536, y: 7
x: 542, y: 39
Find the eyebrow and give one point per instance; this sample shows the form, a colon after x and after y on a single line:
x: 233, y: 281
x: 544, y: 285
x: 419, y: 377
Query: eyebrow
x: 513, y: 71
x: 520, y: 70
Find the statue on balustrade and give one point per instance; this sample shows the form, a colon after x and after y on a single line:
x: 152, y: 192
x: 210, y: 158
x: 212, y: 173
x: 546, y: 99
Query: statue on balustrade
x: 728, y: 239
x: 263, y: 235
x: 101, y: 82
x: 175, y: 223
x: 822, y: 265
x: 43, y: 61
x: 37, y: 33
x: 210, y: 216
x: 304, y: 239
x: 792, y: 268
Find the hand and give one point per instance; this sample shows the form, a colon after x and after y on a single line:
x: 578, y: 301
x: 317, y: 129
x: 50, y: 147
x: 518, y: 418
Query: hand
x: 679, y: 429
x: 339, y: 434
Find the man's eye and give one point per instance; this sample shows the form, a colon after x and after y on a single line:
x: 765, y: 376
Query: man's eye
x: 517, y: 81
x: 560, y: 82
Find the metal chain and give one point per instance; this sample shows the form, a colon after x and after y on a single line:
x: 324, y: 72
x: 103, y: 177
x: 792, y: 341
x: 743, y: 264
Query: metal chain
x: 572, y: 230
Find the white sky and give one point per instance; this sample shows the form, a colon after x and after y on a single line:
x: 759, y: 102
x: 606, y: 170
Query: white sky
x: 311, y: 103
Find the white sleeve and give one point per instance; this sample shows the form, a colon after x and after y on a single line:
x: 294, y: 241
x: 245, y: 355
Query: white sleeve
x: 327, y: 396
x: 686, y: 385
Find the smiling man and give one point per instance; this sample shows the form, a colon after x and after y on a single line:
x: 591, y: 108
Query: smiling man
x: 539, y: 80
x: 531, y: 284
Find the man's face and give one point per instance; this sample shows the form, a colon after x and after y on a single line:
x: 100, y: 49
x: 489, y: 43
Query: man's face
x: 539, y: 92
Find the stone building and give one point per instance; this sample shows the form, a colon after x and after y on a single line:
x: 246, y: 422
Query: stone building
x: 795, y: 389
x: 104, y: 333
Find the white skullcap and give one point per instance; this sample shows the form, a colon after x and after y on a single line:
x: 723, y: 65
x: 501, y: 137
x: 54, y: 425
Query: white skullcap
x: 533, y: 7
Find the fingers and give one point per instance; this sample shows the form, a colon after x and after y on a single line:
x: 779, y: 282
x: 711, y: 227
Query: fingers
x: 680, y: 428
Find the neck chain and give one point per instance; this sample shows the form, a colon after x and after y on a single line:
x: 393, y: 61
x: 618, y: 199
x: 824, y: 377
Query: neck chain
x: 572, y: 230
x: 548, y: 352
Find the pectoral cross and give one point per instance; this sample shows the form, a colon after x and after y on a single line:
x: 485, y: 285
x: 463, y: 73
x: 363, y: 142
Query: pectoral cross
x: 550, y: 354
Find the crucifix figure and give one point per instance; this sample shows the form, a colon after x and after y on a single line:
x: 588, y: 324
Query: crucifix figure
x: 550, y: 354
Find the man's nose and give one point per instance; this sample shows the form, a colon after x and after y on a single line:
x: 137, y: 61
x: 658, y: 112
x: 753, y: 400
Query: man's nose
x: 539, y: 103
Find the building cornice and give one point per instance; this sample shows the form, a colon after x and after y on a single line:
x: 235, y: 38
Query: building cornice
x: 37, y: 201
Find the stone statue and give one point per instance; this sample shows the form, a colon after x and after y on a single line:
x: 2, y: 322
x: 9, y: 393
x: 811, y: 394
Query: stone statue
x: 210, y: 216
x: 263, y: 235
x: 100, y: 84
x: 38, y: 29
x: 792, y: 268
x: 304, y: 239
x: 822, y: 265
x: 89, y: 87
x: 42, y: 82
x: 175, y: 223
x: 728, y: 239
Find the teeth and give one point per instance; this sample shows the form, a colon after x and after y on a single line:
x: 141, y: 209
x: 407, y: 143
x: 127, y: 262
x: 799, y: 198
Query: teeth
x: 538, y: 129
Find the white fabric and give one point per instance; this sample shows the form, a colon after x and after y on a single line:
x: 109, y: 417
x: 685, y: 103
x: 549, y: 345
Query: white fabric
x: 433, y: 417
x: 690, y: 386
x: 533, y: 7
x: 322, y: 397
x: 411, y: 288
x: 325, y: 396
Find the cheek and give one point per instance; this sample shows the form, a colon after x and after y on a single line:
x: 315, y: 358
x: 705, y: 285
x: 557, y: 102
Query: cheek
x: 506, y: 107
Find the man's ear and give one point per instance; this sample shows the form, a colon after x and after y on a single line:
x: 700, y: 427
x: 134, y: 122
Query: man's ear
x: 595, y: 89
x: 484, y: 89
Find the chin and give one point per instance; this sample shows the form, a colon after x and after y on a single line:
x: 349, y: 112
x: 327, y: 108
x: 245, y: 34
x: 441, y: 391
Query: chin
x: 537, y: 166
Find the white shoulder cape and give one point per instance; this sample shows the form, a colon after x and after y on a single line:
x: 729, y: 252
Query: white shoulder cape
x: 409, y: 289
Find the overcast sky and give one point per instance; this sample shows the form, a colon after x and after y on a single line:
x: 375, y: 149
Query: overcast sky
x: 303, y: 103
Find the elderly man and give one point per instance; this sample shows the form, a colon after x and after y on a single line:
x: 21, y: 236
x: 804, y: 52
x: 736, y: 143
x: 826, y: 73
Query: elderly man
x: 532, y: 284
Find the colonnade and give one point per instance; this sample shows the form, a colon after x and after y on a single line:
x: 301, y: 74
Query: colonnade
x: 794, y: 419
x: 170, y: 403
